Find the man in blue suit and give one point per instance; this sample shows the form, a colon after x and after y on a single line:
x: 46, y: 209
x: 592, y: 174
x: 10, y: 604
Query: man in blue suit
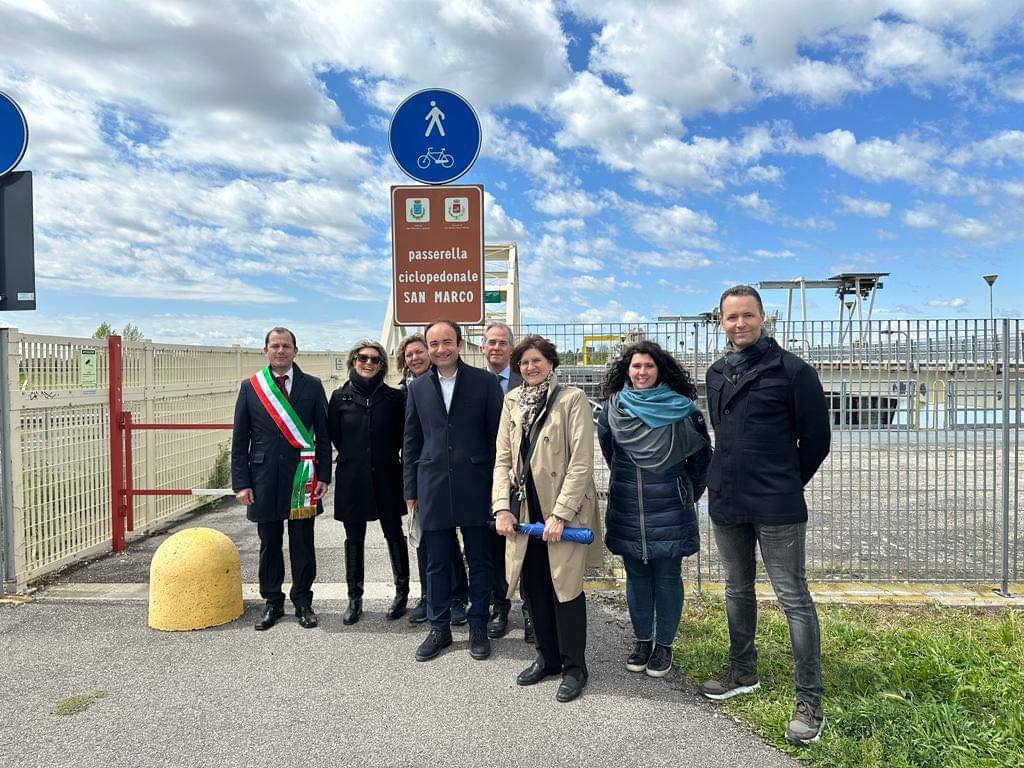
x: 451, y: 423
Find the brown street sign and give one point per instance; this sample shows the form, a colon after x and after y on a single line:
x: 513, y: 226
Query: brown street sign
x: 437, y: 247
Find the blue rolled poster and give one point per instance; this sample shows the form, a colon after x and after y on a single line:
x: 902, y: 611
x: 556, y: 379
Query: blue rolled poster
x: 575, y: 535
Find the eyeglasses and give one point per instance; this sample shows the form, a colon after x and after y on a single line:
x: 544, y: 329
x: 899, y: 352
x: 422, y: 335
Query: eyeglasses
x: 372, y: 359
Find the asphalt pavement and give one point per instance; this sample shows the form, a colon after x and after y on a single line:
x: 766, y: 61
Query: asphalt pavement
x: 330, y: 696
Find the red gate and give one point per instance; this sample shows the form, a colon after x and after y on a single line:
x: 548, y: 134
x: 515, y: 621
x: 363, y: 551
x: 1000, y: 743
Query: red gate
x: 122, y: 484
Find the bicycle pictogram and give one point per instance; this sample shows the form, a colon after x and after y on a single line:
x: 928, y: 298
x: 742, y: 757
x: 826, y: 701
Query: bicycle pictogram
x: 439, y: 157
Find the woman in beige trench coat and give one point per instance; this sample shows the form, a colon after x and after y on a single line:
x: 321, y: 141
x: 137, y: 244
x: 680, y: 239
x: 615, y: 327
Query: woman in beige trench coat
x: 558, y: 491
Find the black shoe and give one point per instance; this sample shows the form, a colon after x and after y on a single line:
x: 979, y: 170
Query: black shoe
x: 570, y: 688
x: 459, y: 614
x: 529, y: 636
x: 534, y: 673
x: 479, y: 643
x: 641, y: 654
x: 270, y: 617
x: 307, y: 618
x: 353, y: 611
x: 436, y: 641
x: 418, y: 614
x: 498, y: 625
x: 660, y: 662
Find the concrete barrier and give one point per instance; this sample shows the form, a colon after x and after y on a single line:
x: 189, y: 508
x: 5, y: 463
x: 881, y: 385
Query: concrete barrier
x: 195, y: 581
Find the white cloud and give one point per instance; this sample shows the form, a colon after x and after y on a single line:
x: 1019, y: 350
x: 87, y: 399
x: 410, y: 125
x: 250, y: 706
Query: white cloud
x: 970, y: 228
x: 498, y: 225
x: 564, y: 225
x: 911, y: 53
x: 873, y: 159
x: 865, y: 206
x: 819, y: 81
x: 674, y: 226
x: 762, y: 253
x: 672, y: 259
x: 562, y: 202
x: 630, y: 133
x: 591, y: 284
x: 955, y: 303
x: 920, y: 219
x: 1006, y: 145
x: 770, y: 174
x: 755, y: 205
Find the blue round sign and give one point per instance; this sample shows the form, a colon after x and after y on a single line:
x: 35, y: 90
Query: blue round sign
x: 435, y: 136
x: 13, y: 134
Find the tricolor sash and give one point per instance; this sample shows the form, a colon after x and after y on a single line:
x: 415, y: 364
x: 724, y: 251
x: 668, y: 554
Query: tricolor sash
x: 298, y: 435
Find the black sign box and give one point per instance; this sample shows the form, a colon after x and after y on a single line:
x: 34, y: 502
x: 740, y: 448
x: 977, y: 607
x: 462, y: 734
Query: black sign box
x: 17, y: 248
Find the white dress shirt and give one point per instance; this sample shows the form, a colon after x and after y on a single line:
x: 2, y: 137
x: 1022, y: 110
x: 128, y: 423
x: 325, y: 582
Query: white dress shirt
x: 287, y: 380
x: 447, y: 388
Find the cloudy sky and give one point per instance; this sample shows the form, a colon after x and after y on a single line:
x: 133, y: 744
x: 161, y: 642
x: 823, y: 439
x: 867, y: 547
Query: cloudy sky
x: 205, y: 169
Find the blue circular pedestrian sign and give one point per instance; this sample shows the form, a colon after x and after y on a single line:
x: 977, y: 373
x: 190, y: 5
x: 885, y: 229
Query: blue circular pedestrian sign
x: 13, y: 134
x: 435, y: 136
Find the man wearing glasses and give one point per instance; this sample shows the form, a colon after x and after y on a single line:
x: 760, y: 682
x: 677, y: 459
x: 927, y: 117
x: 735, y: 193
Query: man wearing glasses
x: 451, y: 422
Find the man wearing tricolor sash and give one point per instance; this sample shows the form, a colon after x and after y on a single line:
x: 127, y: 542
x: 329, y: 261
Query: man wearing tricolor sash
x: 280, y: 469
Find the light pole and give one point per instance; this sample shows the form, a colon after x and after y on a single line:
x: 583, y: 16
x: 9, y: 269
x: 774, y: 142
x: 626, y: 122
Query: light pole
x: 990, y: 279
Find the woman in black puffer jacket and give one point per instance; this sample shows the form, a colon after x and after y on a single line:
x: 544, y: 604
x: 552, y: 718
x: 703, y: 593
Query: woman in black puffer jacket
x: 656, y: 443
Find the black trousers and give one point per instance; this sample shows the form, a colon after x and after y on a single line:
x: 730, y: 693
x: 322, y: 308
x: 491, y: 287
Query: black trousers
x: 499, y: 599
x: 561, y: 627
x: 301, y: 556
x: 460, y: 583
x: 355, y: 530
x: 438, y: 546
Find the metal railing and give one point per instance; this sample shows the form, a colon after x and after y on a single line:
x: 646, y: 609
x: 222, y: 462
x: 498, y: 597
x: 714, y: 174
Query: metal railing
x: 922, y: 482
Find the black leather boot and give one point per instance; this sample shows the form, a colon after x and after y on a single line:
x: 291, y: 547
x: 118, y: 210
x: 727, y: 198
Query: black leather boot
x: 354, y: 577
x: 399, y: 554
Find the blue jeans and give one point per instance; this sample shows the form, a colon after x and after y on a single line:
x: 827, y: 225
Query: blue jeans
x: 782, y: 551
x: 654, y: 594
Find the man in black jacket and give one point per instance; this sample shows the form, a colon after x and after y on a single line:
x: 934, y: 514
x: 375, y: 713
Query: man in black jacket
x: 771, y: 426
x: 280, y: 468
x: 451, y: 423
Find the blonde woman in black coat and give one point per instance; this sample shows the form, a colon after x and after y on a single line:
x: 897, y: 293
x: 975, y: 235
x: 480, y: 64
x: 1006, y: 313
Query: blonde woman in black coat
x: 365, y: 419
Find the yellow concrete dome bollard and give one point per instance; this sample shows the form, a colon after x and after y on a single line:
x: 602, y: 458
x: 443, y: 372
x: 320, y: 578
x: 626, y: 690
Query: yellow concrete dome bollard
x: 195, y: 581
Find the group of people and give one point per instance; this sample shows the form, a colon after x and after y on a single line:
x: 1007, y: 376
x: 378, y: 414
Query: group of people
x: 489, y: 450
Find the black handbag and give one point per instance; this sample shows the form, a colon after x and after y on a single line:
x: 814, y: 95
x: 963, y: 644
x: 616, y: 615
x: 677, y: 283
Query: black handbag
x: 517, y: 494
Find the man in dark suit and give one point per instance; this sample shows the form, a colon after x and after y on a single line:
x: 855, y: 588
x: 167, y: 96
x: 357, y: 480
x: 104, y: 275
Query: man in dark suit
x: 498, y: 342
x: 451, y: 422
x: 280, y: 468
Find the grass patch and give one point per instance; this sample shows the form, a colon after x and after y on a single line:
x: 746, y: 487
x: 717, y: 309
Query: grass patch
x: 922, y: 687
x: 74, y: 705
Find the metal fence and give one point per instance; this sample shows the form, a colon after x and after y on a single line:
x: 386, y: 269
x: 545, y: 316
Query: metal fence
x: 922, y: 482
x: 57, y: 452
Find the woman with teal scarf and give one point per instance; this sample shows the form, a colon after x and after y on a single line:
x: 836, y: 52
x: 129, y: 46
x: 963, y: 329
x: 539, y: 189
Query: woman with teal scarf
x: 656, y: 444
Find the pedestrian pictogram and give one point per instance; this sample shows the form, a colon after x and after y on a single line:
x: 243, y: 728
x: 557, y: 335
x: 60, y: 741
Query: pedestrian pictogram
x: 435, y: 116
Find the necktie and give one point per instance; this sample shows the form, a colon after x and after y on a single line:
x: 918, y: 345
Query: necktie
x: 282, y: 382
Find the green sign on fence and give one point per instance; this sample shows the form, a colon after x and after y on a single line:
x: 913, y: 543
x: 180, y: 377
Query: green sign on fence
x: 87, y: 374
x: 493, y: 297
